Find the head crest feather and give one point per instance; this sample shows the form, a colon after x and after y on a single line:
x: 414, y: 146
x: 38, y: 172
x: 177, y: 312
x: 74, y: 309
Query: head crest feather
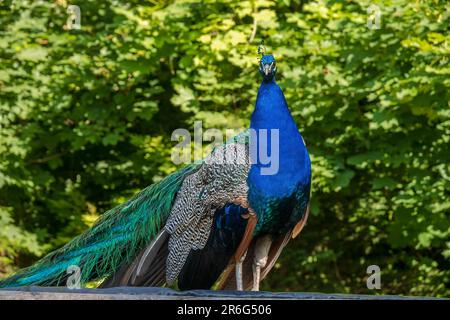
x: 262, y: 48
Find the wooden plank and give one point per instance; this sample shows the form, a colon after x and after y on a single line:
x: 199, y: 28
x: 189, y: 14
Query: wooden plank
x: 134, y: 293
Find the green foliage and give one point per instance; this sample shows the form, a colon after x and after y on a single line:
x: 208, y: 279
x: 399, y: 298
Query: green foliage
x: 13, y: 239
x: 86, y: 118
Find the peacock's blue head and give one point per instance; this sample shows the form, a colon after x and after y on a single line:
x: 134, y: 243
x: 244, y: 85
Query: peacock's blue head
x: 267, y: 67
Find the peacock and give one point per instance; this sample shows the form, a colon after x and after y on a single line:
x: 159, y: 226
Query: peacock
x: 220, y: 221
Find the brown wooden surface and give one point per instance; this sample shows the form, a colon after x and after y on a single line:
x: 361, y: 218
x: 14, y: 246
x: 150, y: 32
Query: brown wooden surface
x: 133, y: 293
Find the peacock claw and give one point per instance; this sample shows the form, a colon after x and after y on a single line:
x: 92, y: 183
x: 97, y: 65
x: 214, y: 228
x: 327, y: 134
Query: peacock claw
x: 239, y: 285
x: 256, y: 277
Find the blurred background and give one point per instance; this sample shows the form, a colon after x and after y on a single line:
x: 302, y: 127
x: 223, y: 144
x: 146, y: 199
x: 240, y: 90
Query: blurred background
x: 86, y: 117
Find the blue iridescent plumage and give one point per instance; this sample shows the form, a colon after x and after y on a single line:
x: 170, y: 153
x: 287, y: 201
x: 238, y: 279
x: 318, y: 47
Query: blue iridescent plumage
x: 281, y: 198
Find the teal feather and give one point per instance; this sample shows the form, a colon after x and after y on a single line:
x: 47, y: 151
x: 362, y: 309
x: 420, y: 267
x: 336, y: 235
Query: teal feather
x: 114, y: 240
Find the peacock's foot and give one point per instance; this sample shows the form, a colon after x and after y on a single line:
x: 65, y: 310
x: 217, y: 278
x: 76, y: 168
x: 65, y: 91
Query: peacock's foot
x: 239, y: 285
x: 256, y: 277
x: 262, y: 248
x: 241, y: 250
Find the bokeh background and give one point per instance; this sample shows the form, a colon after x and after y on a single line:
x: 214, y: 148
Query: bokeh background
x: 86, y: 118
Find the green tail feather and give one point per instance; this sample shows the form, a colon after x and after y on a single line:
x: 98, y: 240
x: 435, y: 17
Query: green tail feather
x: 115, y: 239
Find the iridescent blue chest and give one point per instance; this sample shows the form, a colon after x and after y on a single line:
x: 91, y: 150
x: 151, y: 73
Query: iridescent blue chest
x: 280, y: 175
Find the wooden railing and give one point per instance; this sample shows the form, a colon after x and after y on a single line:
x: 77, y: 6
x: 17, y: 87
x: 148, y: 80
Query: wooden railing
x: 133, y: 293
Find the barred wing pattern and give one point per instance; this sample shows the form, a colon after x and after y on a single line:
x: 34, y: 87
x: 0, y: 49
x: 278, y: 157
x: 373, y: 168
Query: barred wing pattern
x: 221, y: 179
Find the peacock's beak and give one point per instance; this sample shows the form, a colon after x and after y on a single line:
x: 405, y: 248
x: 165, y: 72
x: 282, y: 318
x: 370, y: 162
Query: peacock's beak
x: 266, y: 69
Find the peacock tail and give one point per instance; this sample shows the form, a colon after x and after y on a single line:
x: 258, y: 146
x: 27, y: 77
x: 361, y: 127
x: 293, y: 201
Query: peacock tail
x: 115, y: 238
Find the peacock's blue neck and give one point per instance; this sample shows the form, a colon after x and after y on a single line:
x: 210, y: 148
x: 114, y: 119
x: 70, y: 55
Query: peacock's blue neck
x: 271, y: 112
